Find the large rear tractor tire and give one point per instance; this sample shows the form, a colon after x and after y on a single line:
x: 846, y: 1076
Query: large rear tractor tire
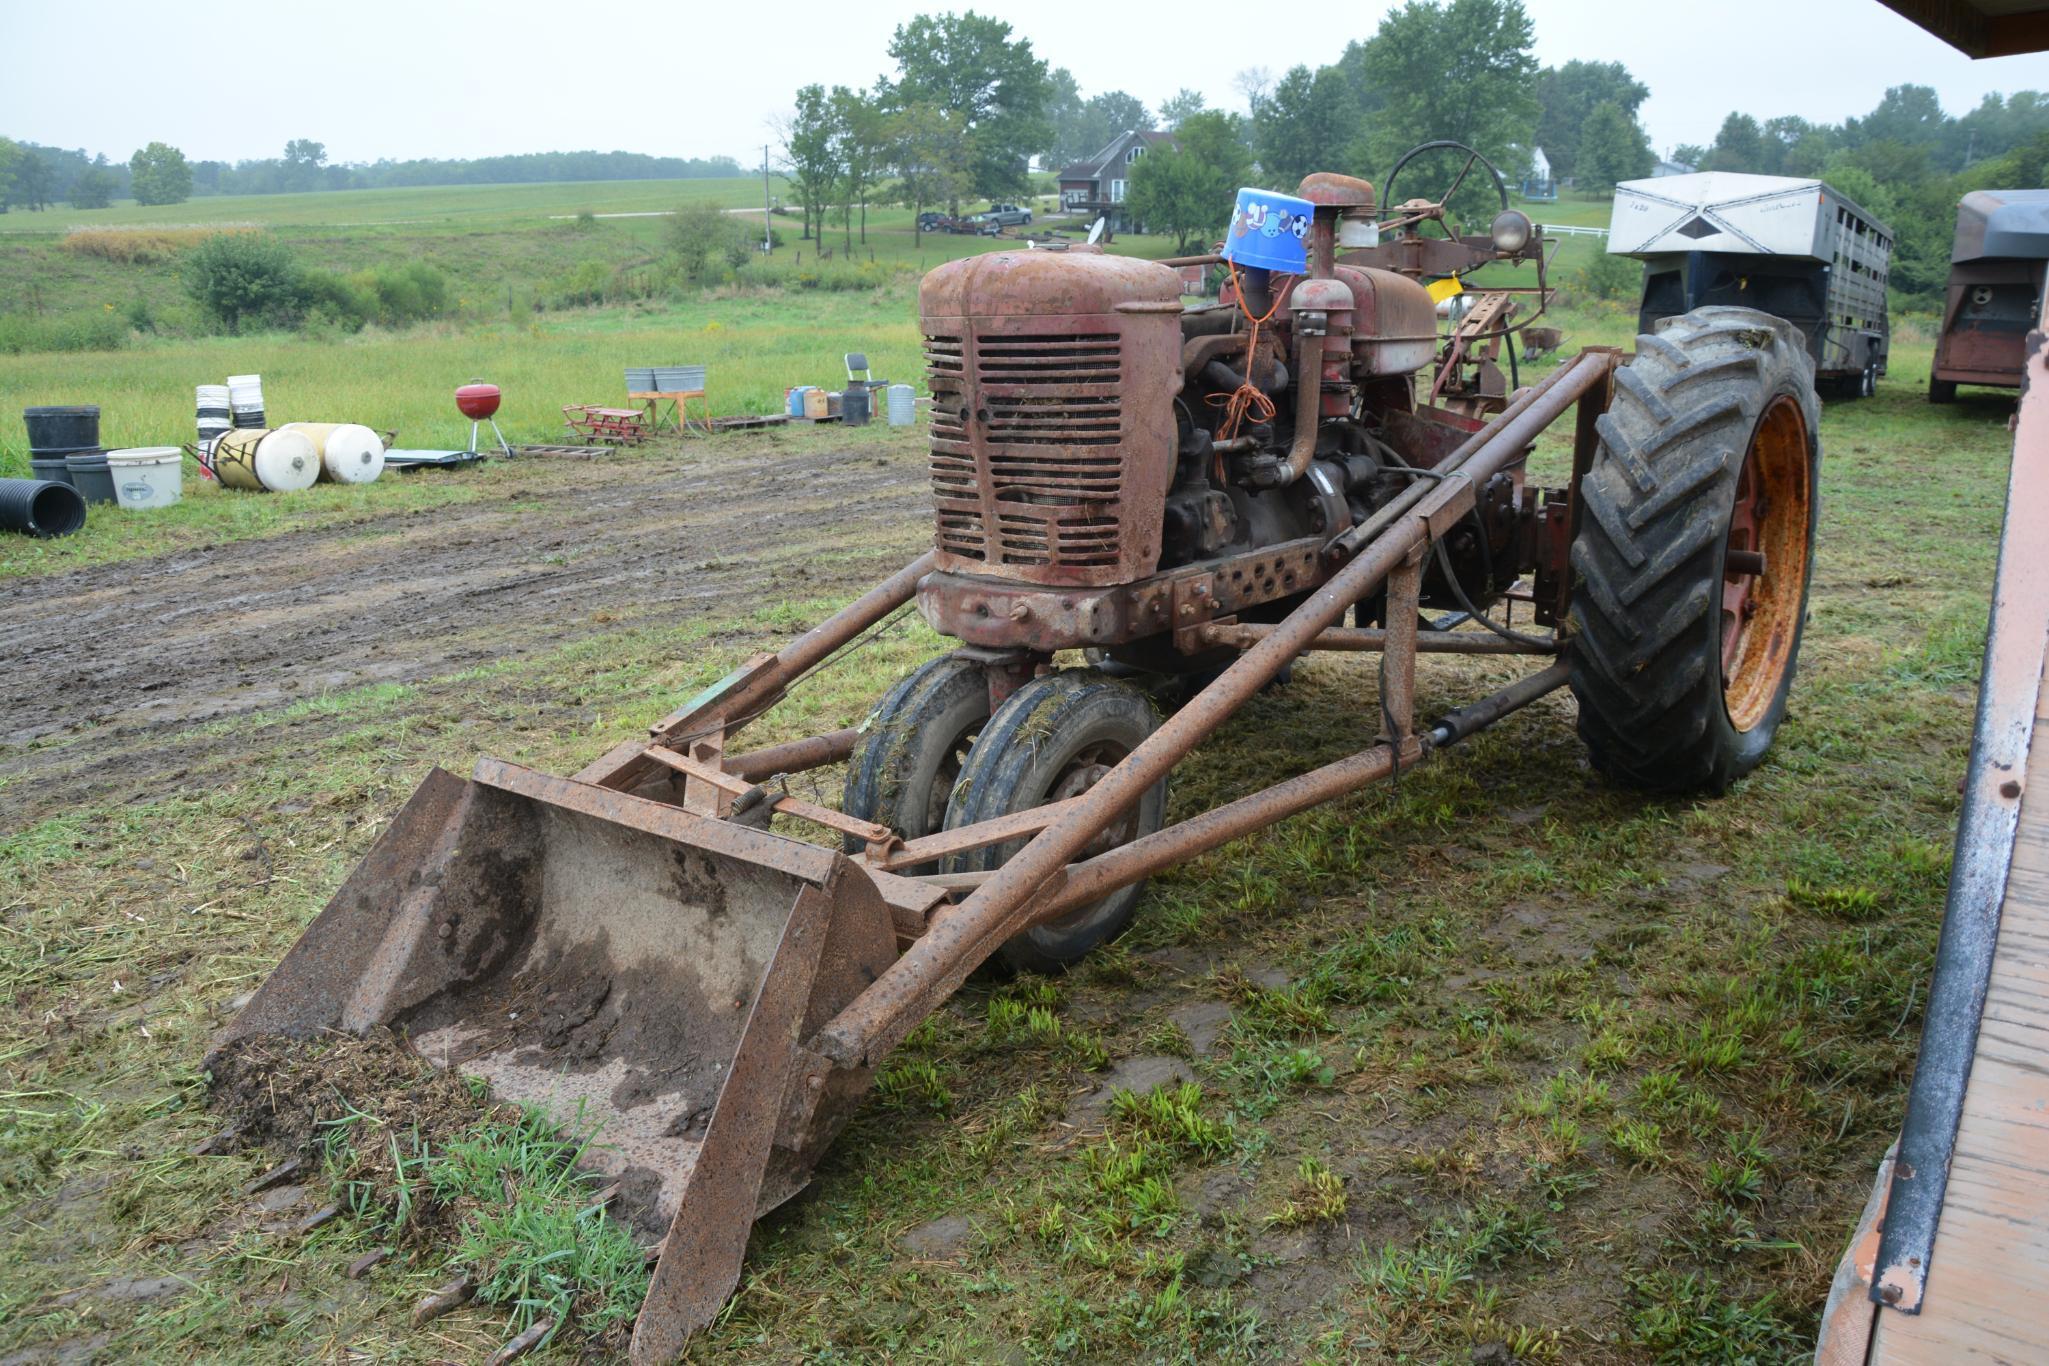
x: 1052, y: 739
x: 1685, y: 641
x: 913, y: 747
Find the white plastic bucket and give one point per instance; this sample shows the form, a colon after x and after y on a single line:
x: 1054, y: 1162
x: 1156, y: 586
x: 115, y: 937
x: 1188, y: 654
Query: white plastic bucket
x: 350, y: 453
x: 245, y: 394
x: 147, y: 476
x: 903, y: 405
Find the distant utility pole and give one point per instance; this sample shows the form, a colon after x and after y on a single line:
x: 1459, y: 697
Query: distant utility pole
x: 767, y: 209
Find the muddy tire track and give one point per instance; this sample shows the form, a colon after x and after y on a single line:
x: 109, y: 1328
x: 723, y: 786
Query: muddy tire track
x: 119, y: 659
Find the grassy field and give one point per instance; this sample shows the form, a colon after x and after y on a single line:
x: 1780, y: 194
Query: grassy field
x: 1501, y: 1063
x: 755, y: 343
x: 443, y: 205
x: 1503, y: 1056
x: 509, y: 262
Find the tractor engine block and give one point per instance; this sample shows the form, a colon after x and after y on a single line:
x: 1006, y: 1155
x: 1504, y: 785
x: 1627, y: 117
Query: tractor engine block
x: 1094, y: 442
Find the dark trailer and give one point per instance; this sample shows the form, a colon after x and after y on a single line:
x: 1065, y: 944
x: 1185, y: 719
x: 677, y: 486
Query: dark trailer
x: 1996, y: 273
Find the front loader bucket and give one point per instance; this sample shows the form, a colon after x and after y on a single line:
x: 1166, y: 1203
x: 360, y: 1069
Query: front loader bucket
x: 616, y: 962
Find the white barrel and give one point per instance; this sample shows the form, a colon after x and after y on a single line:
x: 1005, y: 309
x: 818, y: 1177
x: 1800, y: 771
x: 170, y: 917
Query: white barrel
x: 147, y: 476
x: 350, y: 453
x: 279, y: 461
x: 903, y: 405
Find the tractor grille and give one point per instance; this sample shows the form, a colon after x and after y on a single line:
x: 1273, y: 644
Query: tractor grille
x: 1051, y: 424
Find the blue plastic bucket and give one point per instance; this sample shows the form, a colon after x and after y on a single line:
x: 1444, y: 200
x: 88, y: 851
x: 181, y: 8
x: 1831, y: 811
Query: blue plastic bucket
x: 1270, y: 231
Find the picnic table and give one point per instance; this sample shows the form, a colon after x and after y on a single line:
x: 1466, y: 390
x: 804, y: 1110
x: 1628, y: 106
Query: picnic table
x: 596, y: 423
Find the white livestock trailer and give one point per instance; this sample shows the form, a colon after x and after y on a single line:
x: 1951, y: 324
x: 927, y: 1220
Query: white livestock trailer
x: 1794, y: 248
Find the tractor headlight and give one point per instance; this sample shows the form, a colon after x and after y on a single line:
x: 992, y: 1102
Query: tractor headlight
x: 1511, y: 231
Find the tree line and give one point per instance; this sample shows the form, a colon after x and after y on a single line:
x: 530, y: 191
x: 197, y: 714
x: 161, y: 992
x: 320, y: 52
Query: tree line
x: 1907, y: 162
x: 34, y: 177
x: 970, y: 106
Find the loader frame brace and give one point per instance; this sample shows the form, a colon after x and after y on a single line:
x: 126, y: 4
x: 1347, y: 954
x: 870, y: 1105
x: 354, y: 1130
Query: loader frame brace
x: 807, y: 1051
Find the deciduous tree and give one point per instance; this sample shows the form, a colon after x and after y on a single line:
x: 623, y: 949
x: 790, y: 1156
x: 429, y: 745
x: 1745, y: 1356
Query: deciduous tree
x: 158, y: 175
x: 1568, y: 95
x: 970, y: 63
x: 1739, y: 146
x: 810, y: 156
x: 1611, y: 148
x: 1304, y: 124
x: 1186, y: 191
x: 859, y: 142
x: 1462, y: 70
x: 92, y: 188
x: 932, y: 157
x: 1179, y: 107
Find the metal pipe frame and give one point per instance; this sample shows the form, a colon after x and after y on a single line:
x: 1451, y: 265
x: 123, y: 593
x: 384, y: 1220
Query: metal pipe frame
x: 959, y: 938
x: 1134, y: 862
x: 1370, y: 640
x: 1042, y: 881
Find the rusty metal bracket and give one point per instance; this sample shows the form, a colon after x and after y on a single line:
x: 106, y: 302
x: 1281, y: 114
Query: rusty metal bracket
x: 697, y: 768
x: 1194, y: 604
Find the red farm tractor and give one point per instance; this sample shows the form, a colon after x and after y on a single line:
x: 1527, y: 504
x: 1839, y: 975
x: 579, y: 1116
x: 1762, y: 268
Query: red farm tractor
x: 1202, y: 493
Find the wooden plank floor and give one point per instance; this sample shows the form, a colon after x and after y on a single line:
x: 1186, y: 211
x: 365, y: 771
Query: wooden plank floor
x: 1988, y: 1284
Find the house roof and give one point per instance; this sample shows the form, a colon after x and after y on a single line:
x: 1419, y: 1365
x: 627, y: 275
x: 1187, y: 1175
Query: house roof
x: 1093, y: 168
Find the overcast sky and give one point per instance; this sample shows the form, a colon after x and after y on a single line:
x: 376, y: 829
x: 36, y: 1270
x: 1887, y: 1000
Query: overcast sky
x: 455, y: 78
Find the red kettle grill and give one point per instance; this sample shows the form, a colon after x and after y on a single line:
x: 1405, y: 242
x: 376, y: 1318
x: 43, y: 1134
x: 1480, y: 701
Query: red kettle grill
x: 478, y: 402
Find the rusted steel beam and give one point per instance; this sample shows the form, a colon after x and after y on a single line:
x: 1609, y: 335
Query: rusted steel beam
x: 1540, y: 397
x: 1122, y: 866
x: 1586, y: 441
x: 703, y: 722
x: 1398, y: 660
x: 794, y: 756
x: 735, y: 785
x: 981, y: 834
x: 1370, y: 639
x: 931, y: 969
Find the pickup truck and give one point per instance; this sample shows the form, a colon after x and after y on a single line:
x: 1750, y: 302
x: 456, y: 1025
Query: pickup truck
x: 1008, y: 215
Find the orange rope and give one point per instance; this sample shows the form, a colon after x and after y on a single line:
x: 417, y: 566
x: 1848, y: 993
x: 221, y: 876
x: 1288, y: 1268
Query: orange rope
x: 1247, y: 398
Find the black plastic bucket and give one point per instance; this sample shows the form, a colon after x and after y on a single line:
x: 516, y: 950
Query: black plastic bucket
x: 854, y: 406
x: 63, y: 427
x: 90, y: 476
x: 40, y: 507
x: 54, y: 470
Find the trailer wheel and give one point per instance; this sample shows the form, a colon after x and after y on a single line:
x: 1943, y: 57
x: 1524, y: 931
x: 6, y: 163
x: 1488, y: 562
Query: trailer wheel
x: 912, y: 748
x: 1052, y: 739
x: 1941, y: 390
x: 1683, y: 653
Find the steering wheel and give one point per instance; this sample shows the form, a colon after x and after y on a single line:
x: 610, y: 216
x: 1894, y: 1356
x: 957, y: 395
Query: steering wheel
x: 1443, y: 201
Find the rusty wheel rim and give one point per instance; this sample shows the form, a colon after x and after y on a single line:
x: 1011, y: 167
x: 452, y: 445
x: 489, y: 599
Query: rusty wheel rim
x: 1764, y: 577
x: 1082, y: 773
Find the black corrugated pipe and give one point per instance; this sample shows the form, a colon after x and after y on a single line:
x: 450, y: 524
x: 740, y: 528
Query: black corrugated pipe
x: 40, y: 507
